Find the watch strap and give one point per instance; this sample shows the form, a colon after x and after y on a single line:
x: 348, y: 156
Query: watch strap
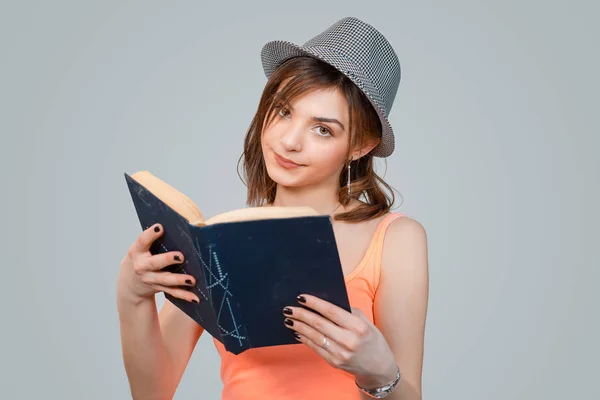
x: 383, y: 391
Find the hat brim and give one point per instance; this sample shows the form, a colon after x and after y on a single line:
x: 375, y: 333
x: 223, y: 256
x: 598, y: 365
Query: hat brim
x: 275, y: 52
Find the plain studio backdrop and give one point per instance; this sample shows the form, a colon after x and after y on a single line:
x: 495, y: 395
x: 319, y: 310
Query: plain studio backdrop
x: 496, y: 155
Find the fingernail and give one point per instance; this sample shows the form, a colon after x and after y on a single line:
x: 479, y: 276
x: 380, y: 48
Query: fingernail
x: 188, y: 281
x: 157, y: 229
x: 289, y: 322
x: 301, y: 299
x: 177, y: 258
x: 296, y: 335
x: 287, y: 311
x: 195, y: 301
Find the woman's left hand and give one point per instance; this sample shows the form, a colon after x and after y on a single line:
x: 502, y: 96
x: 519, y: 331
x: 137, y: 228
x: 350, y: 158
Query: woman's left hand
x: 347, y: 341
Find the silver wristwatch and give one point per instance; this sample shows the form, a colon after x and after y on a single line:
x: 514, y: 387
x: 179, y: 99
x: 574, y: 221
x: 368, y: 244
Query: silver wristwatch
x: 381, y: 392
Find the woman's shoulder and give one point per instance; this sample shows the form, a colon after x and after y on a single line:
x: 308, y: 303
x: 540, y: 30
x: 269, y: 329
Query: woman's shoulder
x: 403, y: 227
x: 404, y: 223
x: 405, y: 239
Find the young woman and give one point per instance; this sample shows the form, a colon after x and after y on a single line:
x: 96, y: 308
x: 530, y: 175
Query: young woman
x: 320, y: 121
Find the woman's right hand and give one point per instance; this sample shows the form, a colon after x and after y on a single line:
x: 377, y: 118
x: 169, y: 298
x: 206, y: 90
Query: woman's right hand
x: 140, y: 275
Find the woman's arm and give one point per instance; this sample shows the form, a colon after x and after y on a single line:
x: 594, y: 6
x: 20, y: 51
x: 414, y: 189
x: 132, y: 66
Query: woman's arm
x: 156, y: 346
x: 372, y: 352
x: 401, y: 302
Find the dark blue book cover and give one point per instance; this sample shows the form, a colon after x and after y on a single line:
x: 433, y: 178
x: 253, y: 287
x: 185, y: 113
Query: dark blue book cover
x: 247, y: 271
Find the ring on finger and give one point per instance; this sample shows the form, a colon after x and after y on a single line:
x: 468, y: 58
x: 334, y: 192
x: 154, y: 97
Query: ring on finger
x: 326, y: 343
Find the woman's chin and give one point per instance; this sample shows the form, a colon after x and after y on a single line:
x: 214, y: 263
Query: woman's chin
x: 286, y: 181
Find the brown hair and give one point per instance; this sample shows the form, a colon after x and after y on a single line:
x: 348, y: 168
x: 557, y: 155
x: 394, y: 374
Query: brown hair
x: 305, y: 74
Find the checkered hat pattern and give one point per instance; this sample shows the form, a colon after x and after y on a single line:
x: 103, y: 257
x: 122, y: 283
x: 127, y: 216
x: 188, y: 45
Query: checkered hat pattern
x: 360, y: 52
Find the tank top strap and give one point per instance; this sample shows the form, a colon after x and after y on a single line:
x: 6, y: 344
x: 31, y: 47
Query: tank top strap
x: 371, y: 264
x: 378, y: 250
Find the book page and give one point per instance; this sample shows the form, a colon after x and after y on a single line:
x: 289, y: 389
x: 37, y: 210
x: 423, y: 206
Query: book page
x: 256, y: 213
x: 185, y: 207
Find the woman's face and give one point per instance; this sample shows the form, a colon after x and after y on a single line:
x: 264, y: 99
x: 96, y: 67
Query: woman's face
x: 307, y: 135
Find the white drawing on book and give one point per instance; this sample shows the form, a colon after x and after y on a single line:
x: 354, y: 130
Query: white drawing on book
x: 217, y: 280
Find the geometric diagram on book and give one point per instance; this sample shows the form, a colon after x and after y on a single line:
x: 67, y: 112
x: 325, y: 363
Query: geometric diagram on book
x: 217, y: 284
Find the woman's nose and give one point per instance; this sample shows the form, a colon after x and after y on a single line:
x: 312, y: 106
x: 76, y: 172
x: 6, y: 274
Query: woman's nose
x: 292, y: 137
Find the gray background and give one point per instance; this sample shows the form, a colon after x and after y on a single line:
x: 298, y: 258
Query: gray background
x: 497, y: 124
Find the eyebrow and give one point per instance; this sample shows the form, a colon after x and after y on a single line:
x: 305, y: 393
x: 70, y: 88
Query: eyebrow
x: 323, y: 119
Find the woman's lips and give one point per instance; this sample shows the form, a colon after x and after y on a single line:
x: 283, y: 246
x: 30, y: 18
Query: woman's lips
x: 285, y: 163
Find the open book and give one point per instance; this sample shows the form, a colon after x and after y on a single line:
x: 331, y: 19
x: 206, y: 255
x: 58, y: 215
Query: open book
x: 248, y: 263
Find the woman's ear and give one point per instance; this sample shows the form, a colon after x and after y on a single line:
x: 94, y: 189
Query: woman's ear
x: 360, y: 151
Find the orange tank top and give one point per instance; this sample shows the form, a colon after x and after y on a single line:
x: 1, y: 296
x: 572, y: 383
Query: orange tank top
x: 295, y: 371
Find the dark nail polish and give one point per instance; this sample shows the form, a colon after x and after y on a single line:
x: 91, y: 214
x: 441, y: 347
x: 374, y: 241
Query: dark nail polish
x: 188, y: 281
x: 301, y: 299
x: 157, y: 229
x: 296, y: 335
x: 177, y: 258
x: 289, y: 322
x: 195, y: 301
x: 287, y: 311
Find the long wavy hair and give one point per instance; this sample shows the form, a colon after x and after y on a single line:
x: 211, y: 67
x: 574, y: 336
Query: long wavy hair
x: 305, y: 74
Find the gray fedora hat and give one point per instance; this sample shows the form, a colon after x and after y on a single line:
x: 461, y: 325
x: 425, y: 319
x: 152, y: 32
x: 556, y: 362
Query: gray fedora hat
x: 360, y: 52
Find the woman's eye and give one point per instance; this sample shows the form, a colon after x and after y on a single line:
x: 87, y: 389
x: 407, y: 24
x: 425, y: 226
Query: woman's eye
x: 283, y: 112
x: 323, y: 130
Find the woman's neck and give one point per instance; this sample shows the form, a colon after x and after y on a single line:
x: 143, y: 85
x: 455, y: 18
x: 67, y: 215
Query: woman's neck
x: 320, y: 199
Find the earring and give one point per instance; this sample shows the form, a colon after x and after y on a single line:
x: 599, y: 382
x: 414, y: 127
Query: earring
x: 349, y: 164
